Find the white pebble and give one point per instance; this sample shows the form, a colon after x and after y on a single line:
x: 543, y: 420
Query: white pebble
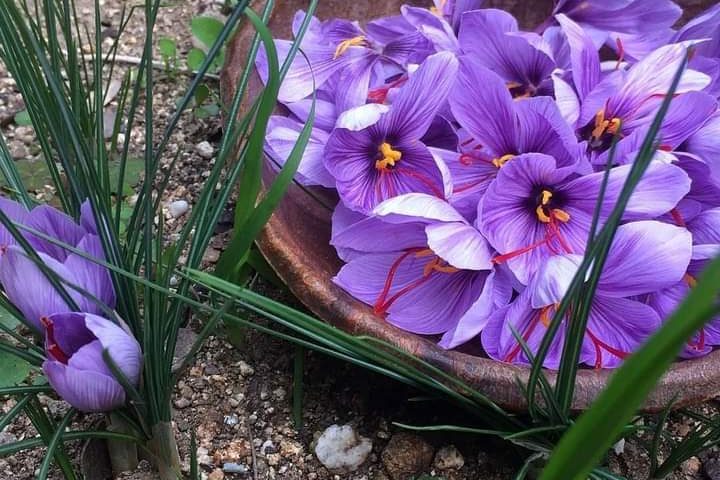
x: 204, y: 149
x: 178, y: 208
x: 341, y: 448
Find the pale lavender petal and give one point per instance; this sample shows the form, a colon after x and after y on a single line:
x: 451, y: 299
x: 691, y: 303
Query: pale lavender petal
x: 361, y: 117
x: 281, y: 138
x: 434, y: 28
x: 459, y: 244
x: 583, y: 55
x: 644, y: 257
x: 87, y: 219
x: 552, y: 281
x: 90, y: 276
x: 55, y: 224
x: 85, y: 390
x: 89, y: 357
x: 616, y: 327
x: 420, y: 98
x: 411, y: 301
x: 659, y: 190
x: 17, y: 272
x: 705, y: 143
x: 417, y: 207
x: 373, y: 235
x: 325, y: 114
x: 495, y: 295
x: 567, y: 100
x: 121, y: 346
x: 489, y: 118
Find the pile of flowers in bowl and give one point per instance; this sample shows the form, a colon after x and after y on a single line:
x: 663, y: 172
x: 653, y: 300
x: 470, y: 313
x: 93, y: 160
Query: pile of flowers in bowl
x: 468, y: 156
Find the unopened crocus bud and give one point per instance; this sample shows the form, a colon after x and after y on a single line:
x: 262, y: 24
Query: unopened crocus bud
x: 75, y: 367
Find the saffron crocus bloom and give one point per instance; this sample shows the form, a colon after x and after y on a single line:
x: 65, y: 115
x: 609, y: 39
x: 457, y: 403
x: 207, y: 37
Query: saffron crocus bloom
x: 75, y: 367
x: 492, y: 38
x: 387, y: 158
x: 644, y: 257
x: 435, y: 268
x: 705, y: 229
x: 533, y: 210
x: 500, y: 129
x: 624, y: 101
x: 636, y: 17
x: 340, y: 56
x: 17, y: 270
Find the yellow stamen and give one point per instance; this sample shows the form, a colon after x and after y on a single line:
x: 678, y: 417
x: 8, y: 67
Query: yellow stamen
x: 345, y: 44
x: 540, y: 212
x: 690, y: 280
x: 545, y: 314
x: 602, y: 125
x: 437, y: 265
x: 546, y: 196
x: 556, y: 213
x: 561, y: 215
x: 500, y: 161
x: 390, y: 156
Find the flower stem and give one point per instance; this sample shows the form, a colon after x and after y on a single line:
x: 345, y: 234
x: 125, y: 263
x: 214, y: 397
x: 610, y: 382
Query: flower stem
x: 123, y: 455
x: 164, y: 446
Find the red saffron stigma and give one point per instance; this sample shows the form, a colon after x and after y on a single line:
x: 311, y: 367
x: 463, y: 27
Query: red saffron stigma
x: 600, y: 346
x: 621, y: 52
x: 677, y: 216
x: 52, y: 347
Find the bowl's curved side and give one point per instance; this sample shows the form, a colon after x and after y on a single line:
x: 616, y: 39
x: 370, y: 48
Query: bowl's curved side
x: 296, y: 243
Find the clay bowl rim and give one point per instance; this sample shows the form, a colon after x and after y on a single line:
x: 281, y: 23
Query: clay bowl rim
x: 687, y: 382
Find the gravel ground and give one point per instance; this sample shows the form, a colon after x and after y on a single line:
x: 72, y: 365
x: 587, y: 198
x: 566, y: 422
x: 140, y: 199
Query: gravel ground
x: 237, y: 397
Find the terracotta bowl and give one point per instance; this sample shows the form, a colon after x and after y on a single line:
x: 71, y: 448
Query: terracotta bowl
x: 296, y: 243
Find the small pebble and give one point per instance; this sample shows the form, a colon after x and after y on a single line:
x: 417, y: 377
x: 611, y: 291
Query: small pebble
x: 245, y: 369
x: 178, y: 208
x: 204, y: 149
x: 235, y: 468
x: 182, y: 402
x: 231, y: 420
x: 267, y: 448
x: 216, y: 474
x: 341, y: 448
x: 449, y: 458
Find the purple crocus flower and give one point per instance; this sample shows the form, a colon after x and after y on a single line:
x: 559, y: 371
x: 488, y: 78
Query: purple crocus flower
x: 341, y: 57
x: 705, y: 145
x: 637, y: 19
x: 644, y: 257
x: 387, y: 158
x: 705, y: 229
x: 15, y: 212
x: 627, y: 100
x: 75, y: 367
x: 434, y: 277
x: 534, y: 210
x: 492, y: 38
x: 17, y: 270
x: 499, y: 129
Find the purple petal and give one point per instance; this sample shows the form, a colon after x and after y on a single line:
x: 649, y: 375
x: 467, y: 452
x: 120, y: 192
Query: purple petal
x: 55, y: 224
x: 373, y: 235
x: 659, y: 190
x: 411, y: 301
x: 87, y: 219
x: 325, y: 114
x: 17, y: 272
x: 645, y: 257
x: 616, y: 327
x: 417, y: 102
x: 417, y: 207
x: 15, y: 212
x: 434, y: 28
x: 483, y: 34
x: 495, y: 294
x: 359, y: 118
x: 85, y: 390
x: 552, y: 281
x: 705, y: 143
x: 489, y: 118
x: 500, y: 343
x: 459, y: 244
x: 90, y: 276
x: 70, y: 332
x: 121, y: 346
x: 282, y: 136
x: 583, y: 56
